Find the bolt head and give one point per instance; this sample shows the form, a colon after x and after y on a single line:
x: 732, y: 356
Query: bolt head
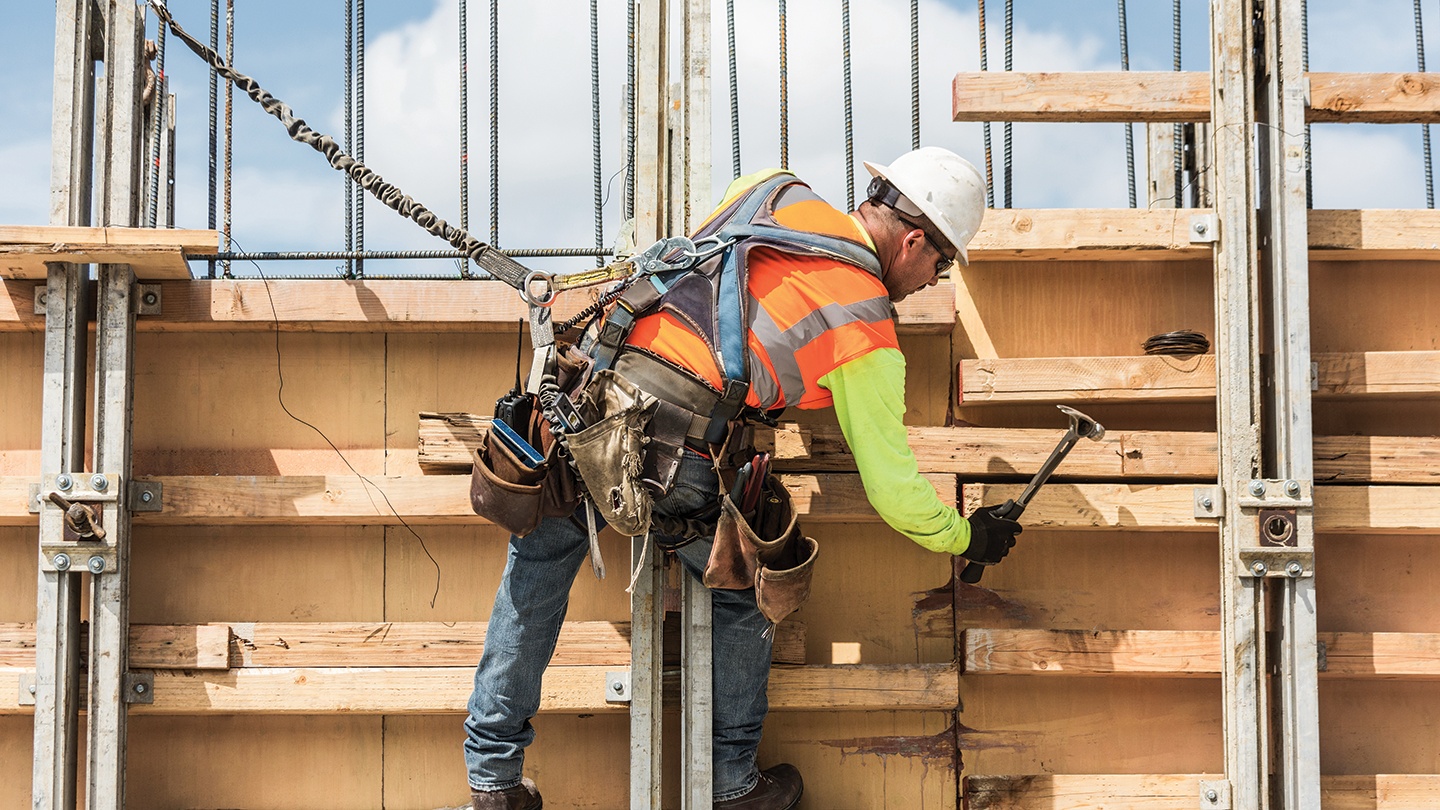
x: 139, y: 688
x: 1257, y: 488
x: 617, y: 687
x: 62, y: 561
x: 99, y: 482
x: 1212, y: 796
x: 1292, y: 487
x: 1207, y: 503
x: 1294, y: 568
x: 147, y: 496
x: 32, y: 689
x: 1258, y: 568
x: 150, y: 298
x: 1201, y: 227
x: 96, y: 565
x: 63, y: 482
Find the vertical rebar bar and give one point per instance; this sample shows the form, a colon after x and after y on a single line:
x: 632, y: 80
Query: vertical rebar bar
x: 630, y: 108
x: 1178, y: 133
x: 348, y: 183
x: 214, y: 122
x: 359, y: 131
x: 985, y: 126
x: 464, y: 51
x: 229, y: 125
x: 1129, y: 128
x: 495, y: 122
x: 849, y: 107
x: 1424, y: 128
x: 157, y: 108
x: 1305, y: 66
x: 1009, y: 127
x: 914, y: 74
x: 784, y: 97
x: 734, y: 90
x: 595, y: 129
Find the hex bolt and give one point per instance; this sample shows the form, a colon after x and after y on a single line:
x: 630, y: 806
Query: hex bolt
x: 63, y: 482
x: 1258, y: 568
x: 150, y: 298
x: 32, y: 688
x: 617, y: 687
x: 1294, y: 568
x: 43, y: 299
x: 1201, y: 227
x: 99, y: 482
x: 1206, y: 503
x: 97, y: 565
x: 1292, y: 488
x: 1257, y: 488
x: 1212, y: 795
x: 139, y: 688
x: 62, y: 562
x: 147, y: 496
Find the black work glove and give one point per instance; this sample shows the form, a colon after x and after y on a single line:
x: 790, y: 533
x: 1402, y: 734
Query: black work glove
x: 991, y: 538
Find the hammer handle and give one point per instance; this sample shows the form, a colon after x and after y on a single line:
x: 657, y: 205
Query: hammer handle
x: 1008, y: 510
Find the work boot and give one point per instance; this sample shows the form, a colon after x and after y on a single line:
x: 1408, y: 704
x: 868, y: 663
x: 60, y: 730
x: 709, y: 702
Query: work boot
x: 779, y: 788
x: 523, y: 796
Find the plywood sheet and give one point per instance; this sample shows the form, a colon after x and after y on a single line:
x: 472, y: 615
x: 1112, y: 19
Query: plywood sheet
x: 17, y: 741
x: 1373, y: 306
x: 879, y: 759
x: 18, y: 553
x: 22, y: 358
x: 1369, y: 727
x: 1377, y: 583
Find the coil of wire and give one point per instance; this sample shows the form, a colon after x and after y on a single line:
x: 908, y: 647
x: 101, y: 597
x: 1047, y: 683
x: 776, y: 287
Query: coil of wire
x: 1181, y: 342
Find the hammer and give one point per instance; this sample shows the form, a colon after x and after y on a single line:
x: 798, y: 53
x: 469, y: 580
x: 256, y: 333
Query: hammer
x: 1081, y: 427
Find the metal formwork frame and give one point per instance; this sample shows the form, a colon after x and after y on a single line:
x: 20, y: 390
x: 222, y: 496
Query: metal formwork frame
x: 1265, y: 492
x: 86, y: 32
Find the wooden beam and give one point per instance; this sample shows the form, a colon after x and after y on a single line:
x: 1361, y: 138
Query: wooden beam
x: 1141, y: 96
x: 1170, y: 507
x: 1181, y: 791
x: 565, y: 690
x: 1017, y: 380
x: 1122, y: 234
x: 359, y: 644
x: 153, y: 253
x: 419, y: 499
x: 1391, y: 234
x: 1091, y: 96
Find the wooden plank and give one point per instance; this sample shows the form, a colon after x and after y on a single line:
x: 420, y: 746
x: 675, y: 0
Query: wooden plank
x: 1181, y: 791
x: 1172, y: 653
x: 447, y: 439
x: 1090, y: 96
x: 153, y: 253
x: 1389, y: 234
x: 1381, y: 655
x: 1121, y: 234
x: 192, y: 646
x: 1410, y: 373
x: 566, y: 690
x: 1374, y: 98
x: 1170, y: 507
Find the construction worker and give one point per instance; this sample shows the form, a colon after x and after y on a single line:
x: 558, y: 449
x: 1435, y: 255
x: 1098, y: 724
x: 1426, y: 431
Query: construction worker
x: 821, y: 332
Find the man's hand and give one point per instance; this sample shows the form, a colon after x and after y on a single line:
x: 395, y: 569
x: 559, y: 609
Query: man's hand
x: 991, y: 538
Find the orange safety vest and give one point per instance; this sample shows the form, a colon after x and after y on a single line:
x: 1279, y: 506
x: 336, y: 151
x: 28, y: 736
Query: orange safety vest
x: 808, y: 310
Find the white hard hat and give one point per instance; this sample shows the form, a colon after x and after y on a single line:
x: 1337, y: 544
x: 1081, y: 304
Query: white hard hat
x: 946, y: 188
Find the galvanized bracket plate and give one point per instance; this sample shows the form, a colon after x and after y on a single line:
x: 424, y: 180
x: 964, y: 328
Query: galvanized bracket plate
x: 1277, y: 505
x: 59, y: 549
x: 42, y: 292
x: 139, y: 687
x: 146, y: 496
x: 147, y: 301
x: 1276, y: 493
x: 1204, y: 229
x: 1209, y: 502
x: 1214, y: 794
x: 1322, y: 657
x: 27, y: 688
x: 617, y: 687
x: 1279, y: 563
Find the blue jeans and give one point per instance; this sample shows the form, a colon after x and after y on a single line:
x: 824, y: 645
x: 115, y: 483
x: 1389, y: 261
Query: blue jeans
x: 525, y: 622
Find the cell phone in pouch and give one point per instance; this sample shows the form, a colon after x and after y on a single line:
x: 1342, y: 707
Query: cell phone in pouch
x: 516, y: 445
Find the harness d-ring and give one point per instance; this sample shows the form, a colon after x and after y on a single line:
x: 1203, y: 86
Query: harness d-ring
x: 545, y: 299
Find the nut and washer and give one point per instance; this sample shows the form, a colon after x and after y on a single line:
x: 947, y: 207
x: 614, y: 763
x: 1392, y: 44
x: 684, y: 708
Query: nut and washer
x: 140, y: 688
x: 1294, y: 568
x: 62, y: 561
x: 147, y: 496
x: 1212, y: 795
x: 1258, y: 568
x: 96, y: 565
x: 1207, y: 503
x: 1292, y: 487
x: 99, y: 482
x: 1257, y: 488
x: 63, y: 482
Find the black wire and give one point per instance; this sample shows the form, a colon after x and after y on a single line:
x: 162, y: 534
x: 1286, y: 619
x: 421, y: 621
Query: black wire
x: 1182, y: 342
x: 280, y: 397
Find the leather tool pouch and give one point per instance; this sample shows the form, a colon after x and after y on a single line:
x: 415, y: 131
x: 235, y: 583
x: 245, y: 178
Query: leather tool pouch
x: 767, y: 553
x: 503, y: 489
x: 610, y: 453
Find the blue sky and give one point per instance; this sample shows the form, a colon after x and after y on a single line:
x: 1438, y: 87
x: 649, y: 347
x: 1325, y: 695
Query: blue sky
x: 287, y: 198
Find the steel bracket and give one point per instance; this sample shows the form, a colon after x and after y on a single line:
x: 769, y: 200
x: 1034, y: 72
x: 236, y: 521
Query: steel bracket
x: 28, y: 688
x: 1322, y: 657
x: 1209, y: 502
x: 1276, y: 493
x: 148, y: 299
x: 60, y: 548
x: 1214, y: 794
x: 1204, y: 229
x: 139, y: 687
x: 146, y: 496
x: 617, y: 686
x: 42, y: 292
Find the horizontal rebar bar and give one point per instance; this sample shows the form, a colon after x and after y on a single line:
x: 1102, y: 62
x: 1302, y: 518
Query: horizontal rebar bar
x: 323, y: 255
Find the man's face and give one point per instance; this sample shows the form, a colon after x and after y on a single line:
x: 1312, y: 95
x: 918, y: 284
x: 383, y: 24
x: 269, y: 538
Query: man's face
x: 917, y: 264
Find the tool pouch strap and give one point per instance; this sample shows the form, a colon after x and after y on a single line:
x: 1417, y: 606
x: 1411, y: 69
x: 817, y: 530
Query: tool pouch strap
x: 609, y: 454
x: 637, y: 301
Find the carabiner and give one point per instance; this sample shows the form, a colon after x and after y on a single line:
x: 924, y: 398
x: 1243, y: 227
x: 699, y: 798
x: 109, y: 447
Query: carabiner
x: 546, y: 298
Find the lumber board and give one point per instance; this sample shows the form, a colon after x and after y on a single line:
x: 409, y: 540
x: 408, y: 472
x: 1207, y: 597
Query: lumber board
x: 565, y: 690
x: 447, y: 439
x: 153, y: 253
x: 1021, y: 380
x: 1341, y: 509
x: 1182, y: 653
x: 378, y: 305
x: 387, y: 500
x: 1155, y: 97
x: 1181, y: 791
x: 1089, y: 96
x: 152, y: 646
x: 1114, y: 234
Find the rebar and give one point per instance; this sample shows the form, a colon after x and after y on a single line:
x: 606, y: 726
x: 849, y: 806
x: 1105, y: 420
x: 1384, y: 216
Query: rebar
x: 985, y: 126
x: 349, y: 130
x: 359, y: 130
x: 214, y: 116
x: 229, y: 124
x: 784, y: 97
x: 849, y: 107
x: 334, y: 255
x: 914, y: 74
x: 157, y: 108
x: 495, y: 122
x: 595, y: 124
x: 464, y: 51
x: 734, y: 89
x: 1305, y: 66
x: 1424, y: 128
x: 1009, y: 127
x: 1178, y: 132
x: 1129, y: 128
x: 630, y: 108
